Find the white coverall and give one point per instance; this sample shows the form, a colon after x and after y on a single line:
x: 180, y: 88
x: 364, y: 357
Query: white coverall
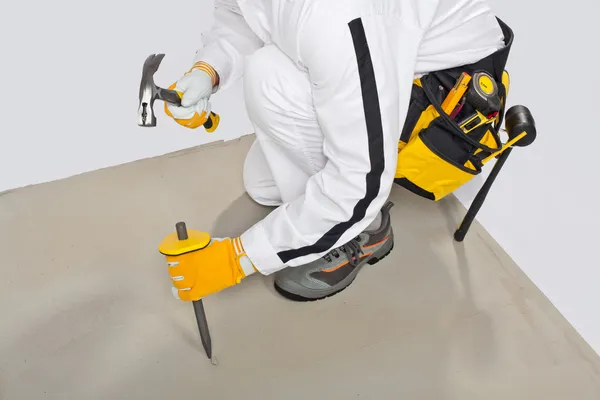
x: 327, y: 86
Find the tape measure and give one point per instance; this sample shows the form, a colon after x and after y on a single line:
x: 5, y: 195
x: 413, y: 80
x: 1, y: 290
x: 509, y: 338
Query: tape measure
x: 483, y: 94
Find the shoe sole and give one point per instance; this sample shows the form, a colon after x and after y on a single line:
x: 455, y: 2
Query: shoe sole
x: 298, y: 298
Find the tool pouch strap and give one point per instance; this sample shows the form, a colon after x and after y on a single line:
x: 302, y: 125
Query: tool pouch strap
x: 435, y: 155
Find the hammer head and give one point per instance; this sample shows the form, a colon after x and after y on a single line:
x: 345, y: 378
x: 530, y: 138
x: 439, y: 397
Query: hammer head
x: 146, y: 116
x: 150, y: 92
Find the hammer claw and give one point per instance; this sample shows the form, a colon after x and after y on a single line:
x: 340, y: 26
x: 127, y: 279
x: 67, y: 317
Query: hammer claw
x: 152, y: 63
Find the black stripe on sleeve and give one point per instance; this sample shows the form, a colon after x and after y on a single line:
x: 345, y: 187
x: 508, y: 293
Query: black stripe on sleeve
x: 374, y: 129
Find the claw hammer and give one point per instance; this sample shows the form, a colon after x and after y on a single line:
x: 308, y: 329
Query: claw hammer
x: 149, y: 92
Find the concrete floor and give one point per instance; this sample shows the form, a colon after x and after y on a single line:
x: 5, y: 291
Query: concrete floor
x: 87, y: 311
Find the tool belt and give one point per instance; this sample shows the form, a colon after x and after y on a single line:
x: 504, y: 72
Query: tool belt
x: 447, y: 140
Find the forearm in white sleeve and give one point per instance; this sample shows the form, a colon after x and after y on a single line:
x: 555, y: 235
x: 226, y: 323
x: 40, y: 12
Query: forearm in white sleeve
x: 227, y: 42
x: 343, y: 198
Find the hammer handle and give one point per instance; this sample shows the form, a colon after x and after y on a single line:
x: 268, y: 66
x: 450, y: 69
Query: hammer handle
x: 171, y: 96
x: 212, y: 122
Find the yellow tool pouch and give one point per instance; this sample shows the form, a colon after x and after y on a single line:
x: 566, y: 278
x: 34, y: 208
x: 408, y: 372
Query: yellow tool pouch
x: 439, y: 152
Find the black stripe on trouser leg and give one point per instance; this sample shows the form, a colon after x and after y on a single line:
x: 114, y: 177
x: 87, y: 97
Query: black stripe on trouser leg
x: 374, y: 129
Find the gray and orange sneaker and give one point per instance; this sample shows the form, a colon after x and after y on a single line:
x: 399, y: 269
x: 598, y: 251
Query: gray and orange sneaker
x: 336, y: 270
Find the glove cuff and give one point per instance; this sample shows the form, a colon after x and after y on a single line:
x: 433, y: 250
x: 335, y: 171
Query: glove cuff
x: 244, y: 261
x: 202, y: 66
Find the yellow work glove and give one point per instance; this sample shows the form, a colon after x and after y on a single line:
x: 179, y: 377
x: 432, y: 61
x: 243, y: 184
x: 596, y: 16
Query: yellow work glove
x: 200, y: 266
x: 195, y: 88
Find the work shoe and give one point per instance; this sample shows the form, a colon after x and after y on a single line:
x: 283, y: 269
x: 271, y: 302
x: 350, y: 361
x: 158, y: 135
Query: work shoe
x: 336, y: 270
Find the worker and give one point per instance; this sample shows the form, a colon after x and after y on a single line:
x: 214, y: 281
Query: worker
x: 327, y: 87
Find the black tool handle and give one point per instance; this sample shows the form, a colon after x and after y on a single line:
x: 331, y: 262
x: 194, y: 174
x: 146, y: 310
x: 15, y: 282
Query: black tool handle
x: 462, y: 230
x: 212, y: 122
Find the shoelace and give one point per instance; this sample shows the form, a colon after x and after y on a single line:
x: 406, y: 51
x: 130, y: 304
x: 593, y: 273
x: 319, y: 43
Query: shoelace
x: 352, y: 249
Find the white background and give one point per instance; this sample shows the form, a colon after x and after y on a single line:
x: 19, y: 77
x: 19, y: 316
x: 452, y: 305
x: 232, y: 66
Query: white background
x: 71, y: 80
x: 70, y: 75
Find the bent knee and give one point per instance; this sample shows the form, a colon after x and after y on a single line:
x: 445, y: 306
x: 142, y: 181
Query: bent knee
x: 272, y: 83
x: 265, y: 196
x: 263, y: 192
x: 258, y: 180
